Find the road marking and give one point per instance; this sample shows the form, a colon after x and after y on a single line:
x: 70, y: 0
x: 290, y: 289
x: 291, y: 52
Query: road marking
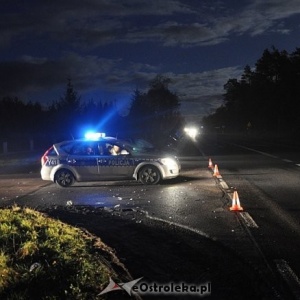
x: 287, y: 160
x: 267, y: 154
x: 224, y: 184
x: 289, y: 276
x: 260, y: 152
x: 176, y: 224
x: 248, y: 220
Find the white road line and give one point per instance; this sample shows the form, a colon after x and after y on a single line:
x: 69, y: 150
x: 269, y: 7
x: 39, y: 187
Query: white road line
x: 289, y: 276
x: 248, y: 220
x: 177, y: 225
x: 267, y: 154
x: 224, y: 184
x: 287, y: 160
x: 260, y: 152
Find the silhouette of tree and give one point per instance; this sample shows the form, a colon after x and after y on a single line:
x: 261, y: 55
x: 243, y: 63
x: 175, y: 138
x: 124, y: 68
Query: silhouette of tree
x: 156, y: 112
x: 65, y: 112
x: 19, y: 119
x: 267, y: 97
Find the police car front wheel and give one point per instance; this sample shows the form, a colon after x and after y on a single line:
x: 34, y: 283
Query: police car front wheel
x: 149, y: 175
x: 64, y: 178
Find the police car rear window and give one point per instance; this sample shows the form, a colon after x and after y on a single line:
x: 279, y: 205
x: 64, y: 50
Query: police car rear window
x: 52, y: 152
x: 67, y: 147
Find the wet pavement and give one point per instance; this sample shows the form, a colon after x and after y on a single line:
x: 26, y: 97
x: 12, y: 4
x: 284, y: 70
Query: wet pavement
x: 160, y: 252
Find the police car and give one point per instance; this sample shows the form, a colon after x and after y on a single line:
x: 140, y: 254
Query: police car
x: 105, y: 158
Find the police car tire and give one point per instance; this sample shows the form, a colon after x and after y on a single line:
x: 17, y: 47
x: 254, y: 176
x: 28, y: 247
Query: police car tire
x: 149, y: 175
x: 64, y: 178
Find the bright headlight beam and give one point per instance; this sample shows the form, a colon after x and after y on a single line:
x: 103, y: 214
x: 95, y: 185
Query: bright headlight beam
x: 168, y: 162
x: 191, y: 131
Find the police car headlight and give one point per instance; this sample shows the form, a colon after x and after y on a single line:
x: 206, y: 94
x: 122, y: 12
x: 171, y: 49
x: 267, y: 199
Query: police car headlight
x: 169, y: 162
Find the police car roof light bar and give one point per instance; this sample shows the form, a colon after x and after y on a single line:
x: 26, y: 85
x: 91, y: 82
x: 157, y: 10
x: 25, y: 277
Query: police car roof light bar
x: 94, y: 135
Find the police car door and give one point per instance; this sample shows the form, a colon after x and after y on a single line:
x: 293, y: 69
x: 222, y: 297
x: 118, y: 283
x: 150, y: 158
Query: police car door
x: 83, y: 159
x: 114, y: 165
x: 104, y: 170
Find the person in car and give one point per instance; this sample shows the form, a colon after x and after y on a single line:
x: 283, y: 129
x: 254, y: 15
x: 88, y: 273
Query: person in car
x: 89, y: 151
x: 114, y: 150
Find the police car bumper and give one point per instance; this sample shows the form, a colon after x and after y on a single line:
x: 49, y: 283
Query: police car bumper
x: 171, y: 173
x: 171, y: 168
x: 46, y: 173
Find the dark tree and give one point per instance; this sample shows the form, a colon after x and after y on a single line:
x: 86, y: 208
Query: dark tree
x: 267, y: 97
x: 19, y: 119
x: 65, y: 113
x: 155, y: 113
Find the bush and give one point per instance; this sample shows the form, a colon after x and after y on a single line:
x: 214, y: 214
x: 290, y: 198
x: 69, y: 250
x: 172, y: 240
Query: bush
x: 43, y: 258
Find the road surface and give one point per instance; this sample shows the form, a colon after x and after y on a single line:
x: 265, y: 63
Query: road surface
x: 264, y: 236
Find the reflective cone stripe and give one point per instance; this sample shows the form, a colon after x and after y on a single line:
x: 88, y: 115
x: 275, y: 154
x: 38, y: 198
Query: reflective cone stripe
x: 216, y: 171
x: 236, y: 205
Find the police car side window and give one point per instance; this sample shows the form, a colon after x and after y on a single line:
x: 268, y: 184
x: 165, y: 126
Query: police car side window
x: 104, y: 149
x: 100, y: 149
x: 78, y: 149
x: 68, y: 147
x: 85, y: 149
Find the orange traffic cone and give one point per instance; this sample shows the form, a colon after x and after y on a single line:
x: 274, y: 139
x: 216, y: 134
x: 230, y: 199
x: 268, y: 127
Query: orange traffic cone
x: 236, y: 205
x: 210, y: 164
x: 216, y: 171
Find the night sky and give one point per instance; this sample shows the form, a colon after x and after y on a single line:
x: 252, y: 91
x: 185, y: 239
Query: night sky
x: 109, y: 48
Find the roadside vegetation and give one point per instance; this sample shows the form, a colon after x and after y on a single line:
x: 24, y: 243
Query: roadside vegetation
x: 43, y: 258
x: 265, y: 99
x: 70, y: 117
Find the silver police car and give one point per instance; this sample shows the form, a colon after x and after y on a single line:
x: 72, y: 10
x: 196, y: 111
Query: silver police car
x: 105, y: 158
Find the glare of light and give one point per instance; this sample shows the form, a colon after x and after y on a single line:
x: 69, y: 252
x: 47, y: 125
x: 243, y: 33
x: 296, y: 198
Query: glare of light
x: 191, y: 132
x: 94, y: 135
x: 169, y: 162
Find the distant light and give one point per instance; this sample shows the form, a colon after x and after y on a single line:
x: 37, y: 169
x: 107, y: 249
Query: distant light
x: 94, y: 135
x: 191, y: 132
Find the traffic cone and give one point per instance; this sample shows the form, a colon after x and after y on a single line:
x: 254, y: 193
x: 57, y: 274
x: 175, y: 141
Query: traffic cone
x: 236, y: 205
x: 216, y: 171
x: 210, y: 164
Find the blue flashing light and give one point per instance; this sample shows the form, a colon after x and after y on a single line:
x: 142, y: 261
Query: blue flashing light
x: 94, y: 135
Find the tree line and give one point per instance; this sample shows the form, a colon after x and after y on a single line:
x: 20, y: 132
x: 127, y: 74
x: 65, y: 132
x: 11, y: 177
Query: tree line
x: 152, y: 113
x: 265, y: 98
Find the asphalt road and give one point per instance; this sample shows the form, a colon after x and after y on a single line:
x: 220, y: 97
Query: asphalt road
x: 261, y: 240
x: 266, y: 174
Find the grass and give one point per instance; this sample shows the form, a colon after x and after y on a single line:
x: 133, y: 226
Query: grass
x: 43, y: 258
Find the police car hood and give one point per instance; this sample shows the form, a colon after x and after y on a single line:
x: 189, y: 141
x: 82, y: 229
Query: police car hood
x: 153, y: 153
x: 144, y: 148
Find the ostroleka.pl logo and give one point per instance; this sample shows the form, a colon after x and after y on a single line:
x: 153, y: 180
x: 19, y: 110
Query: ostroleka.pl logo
x: 153, y: 288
